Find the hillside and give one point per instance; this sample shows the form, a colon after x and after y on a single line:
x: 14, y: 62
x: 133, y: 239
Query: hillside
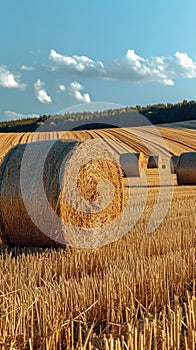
x: 124, y: 117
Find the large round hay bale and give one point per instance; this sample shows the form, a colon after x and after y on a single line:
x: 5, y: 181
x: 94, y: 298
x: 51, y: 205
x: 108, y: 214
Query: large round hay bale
x: 131, y: 164
x: 154, y: 162
x: 49, y: 187
x: 186, y: 169
x: 173, y: 164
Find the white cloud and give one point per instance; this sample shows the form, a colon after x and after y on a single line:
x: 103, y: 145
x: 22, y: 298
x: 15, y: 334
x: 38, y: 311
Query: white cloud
x: 156, y: 69
x: 76, y: 86
x: 185, y: 67
x: 131, y: 67
x: 82, y: 97
x: 26, y: 68
x: 76, y: 63
x: 10, y: 80
x: 61, y: 87
x: 138, y: 69
x: 11, y: 115
x: 74, y: 90
x: 41, y: 93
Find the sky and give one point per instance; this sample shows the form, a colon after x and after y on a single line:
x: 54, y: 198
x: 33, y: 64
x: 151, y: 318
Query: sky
x: 58, y: 54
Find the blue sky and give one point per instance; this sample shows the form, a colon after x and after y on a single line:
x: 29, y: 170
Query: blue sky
x: 57, y: 54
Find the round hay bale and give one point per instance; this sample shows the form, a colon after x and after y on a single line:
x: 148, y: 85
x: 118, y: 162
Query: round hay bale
x: 154, y: 162
x: 40, y: 200
x: 131, y: 164
x: 173, y: 164
x: 186, y: 169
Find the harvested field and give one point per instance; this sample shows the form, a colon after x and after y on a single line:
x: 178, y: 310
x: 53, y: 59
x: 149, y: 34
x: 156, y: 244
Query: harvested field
x: 137, y: 293
x: 179, y: 137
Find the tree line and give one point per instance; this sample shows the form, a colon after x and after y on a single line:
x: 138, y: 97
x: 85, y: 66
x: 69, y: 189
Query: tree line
x: 156, y: 114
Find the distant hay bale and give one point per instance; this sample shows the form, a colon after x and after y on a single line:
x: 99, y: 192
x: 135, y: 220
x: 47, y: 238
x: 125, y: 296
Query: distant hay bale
x: 59, y: 175
x: 131, y: 164
x: 173, y: 164
x: 154, y: 162
x: 186, y: 169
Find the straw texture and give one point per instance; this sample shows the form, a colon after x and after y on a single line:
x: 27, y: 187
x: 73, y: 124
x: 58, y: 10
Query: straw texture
x: 154, y: 162
x: 173, y: 164
x: 87, y: 206
x: 186, y: 169
x: 131, y: 164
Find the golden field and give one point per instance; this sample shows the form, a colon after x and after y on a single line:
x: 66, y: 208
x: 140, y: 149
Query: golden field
x: 136, y: 293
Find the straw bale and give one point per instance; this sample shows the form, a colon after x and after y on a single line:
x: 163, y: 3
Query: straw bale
x: 186, y: 169
x: 131, y: 164
x: 154, y: 162
x: 173, y: 164
x: 59, y: 170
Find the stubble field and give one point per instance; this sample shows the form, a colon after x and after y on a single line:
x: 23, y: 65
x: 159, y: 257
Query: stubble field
x: 137, y: 293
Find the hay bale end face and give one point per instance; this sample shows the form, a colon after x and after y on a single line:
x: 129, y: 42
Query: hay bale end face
x: 154, y: 162
x: 173, y: 164
x: 131, y: 164
x: 186, y: 169
x: 22, y: 218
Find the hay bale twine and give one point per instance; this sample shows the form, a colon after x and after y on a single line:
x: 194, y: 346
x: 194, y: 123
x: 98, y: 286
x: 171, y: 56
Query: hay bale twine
x: 186, y: 169
x: 131, y: 164
x: 21, y: 216
x: 173, y: 164
x: 154, y: 162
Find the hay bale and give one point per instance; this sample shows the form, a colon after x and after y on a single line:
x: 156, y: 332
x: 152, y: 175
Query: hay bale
x: 154, y: 162
x: 131, y: 164
x: 55, y: 195
x: 173, y: 164
x: 186, y: 169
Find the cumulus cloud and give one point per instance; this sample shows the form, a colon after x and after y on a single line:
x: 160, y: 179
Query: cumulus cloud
x: 10, y: 80
x: 61, y: 88
x: 75, y: 89
x: 11, y: 115
x: 131, y: 67
x: 138, y: 69
x: 76, y: 86
x: 41, y: 94
x: 156, y: 69
x: 185, y: 67
x: 76, y: 63
x: 26, y: 68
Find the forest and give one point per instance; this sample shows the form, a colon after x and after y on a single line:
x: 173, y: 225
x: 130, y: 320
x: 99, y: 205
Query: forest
x: 156, y: 114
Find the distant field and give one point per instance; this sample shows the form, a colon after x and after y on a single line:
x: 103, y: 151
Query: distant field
x: 180, y: 137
